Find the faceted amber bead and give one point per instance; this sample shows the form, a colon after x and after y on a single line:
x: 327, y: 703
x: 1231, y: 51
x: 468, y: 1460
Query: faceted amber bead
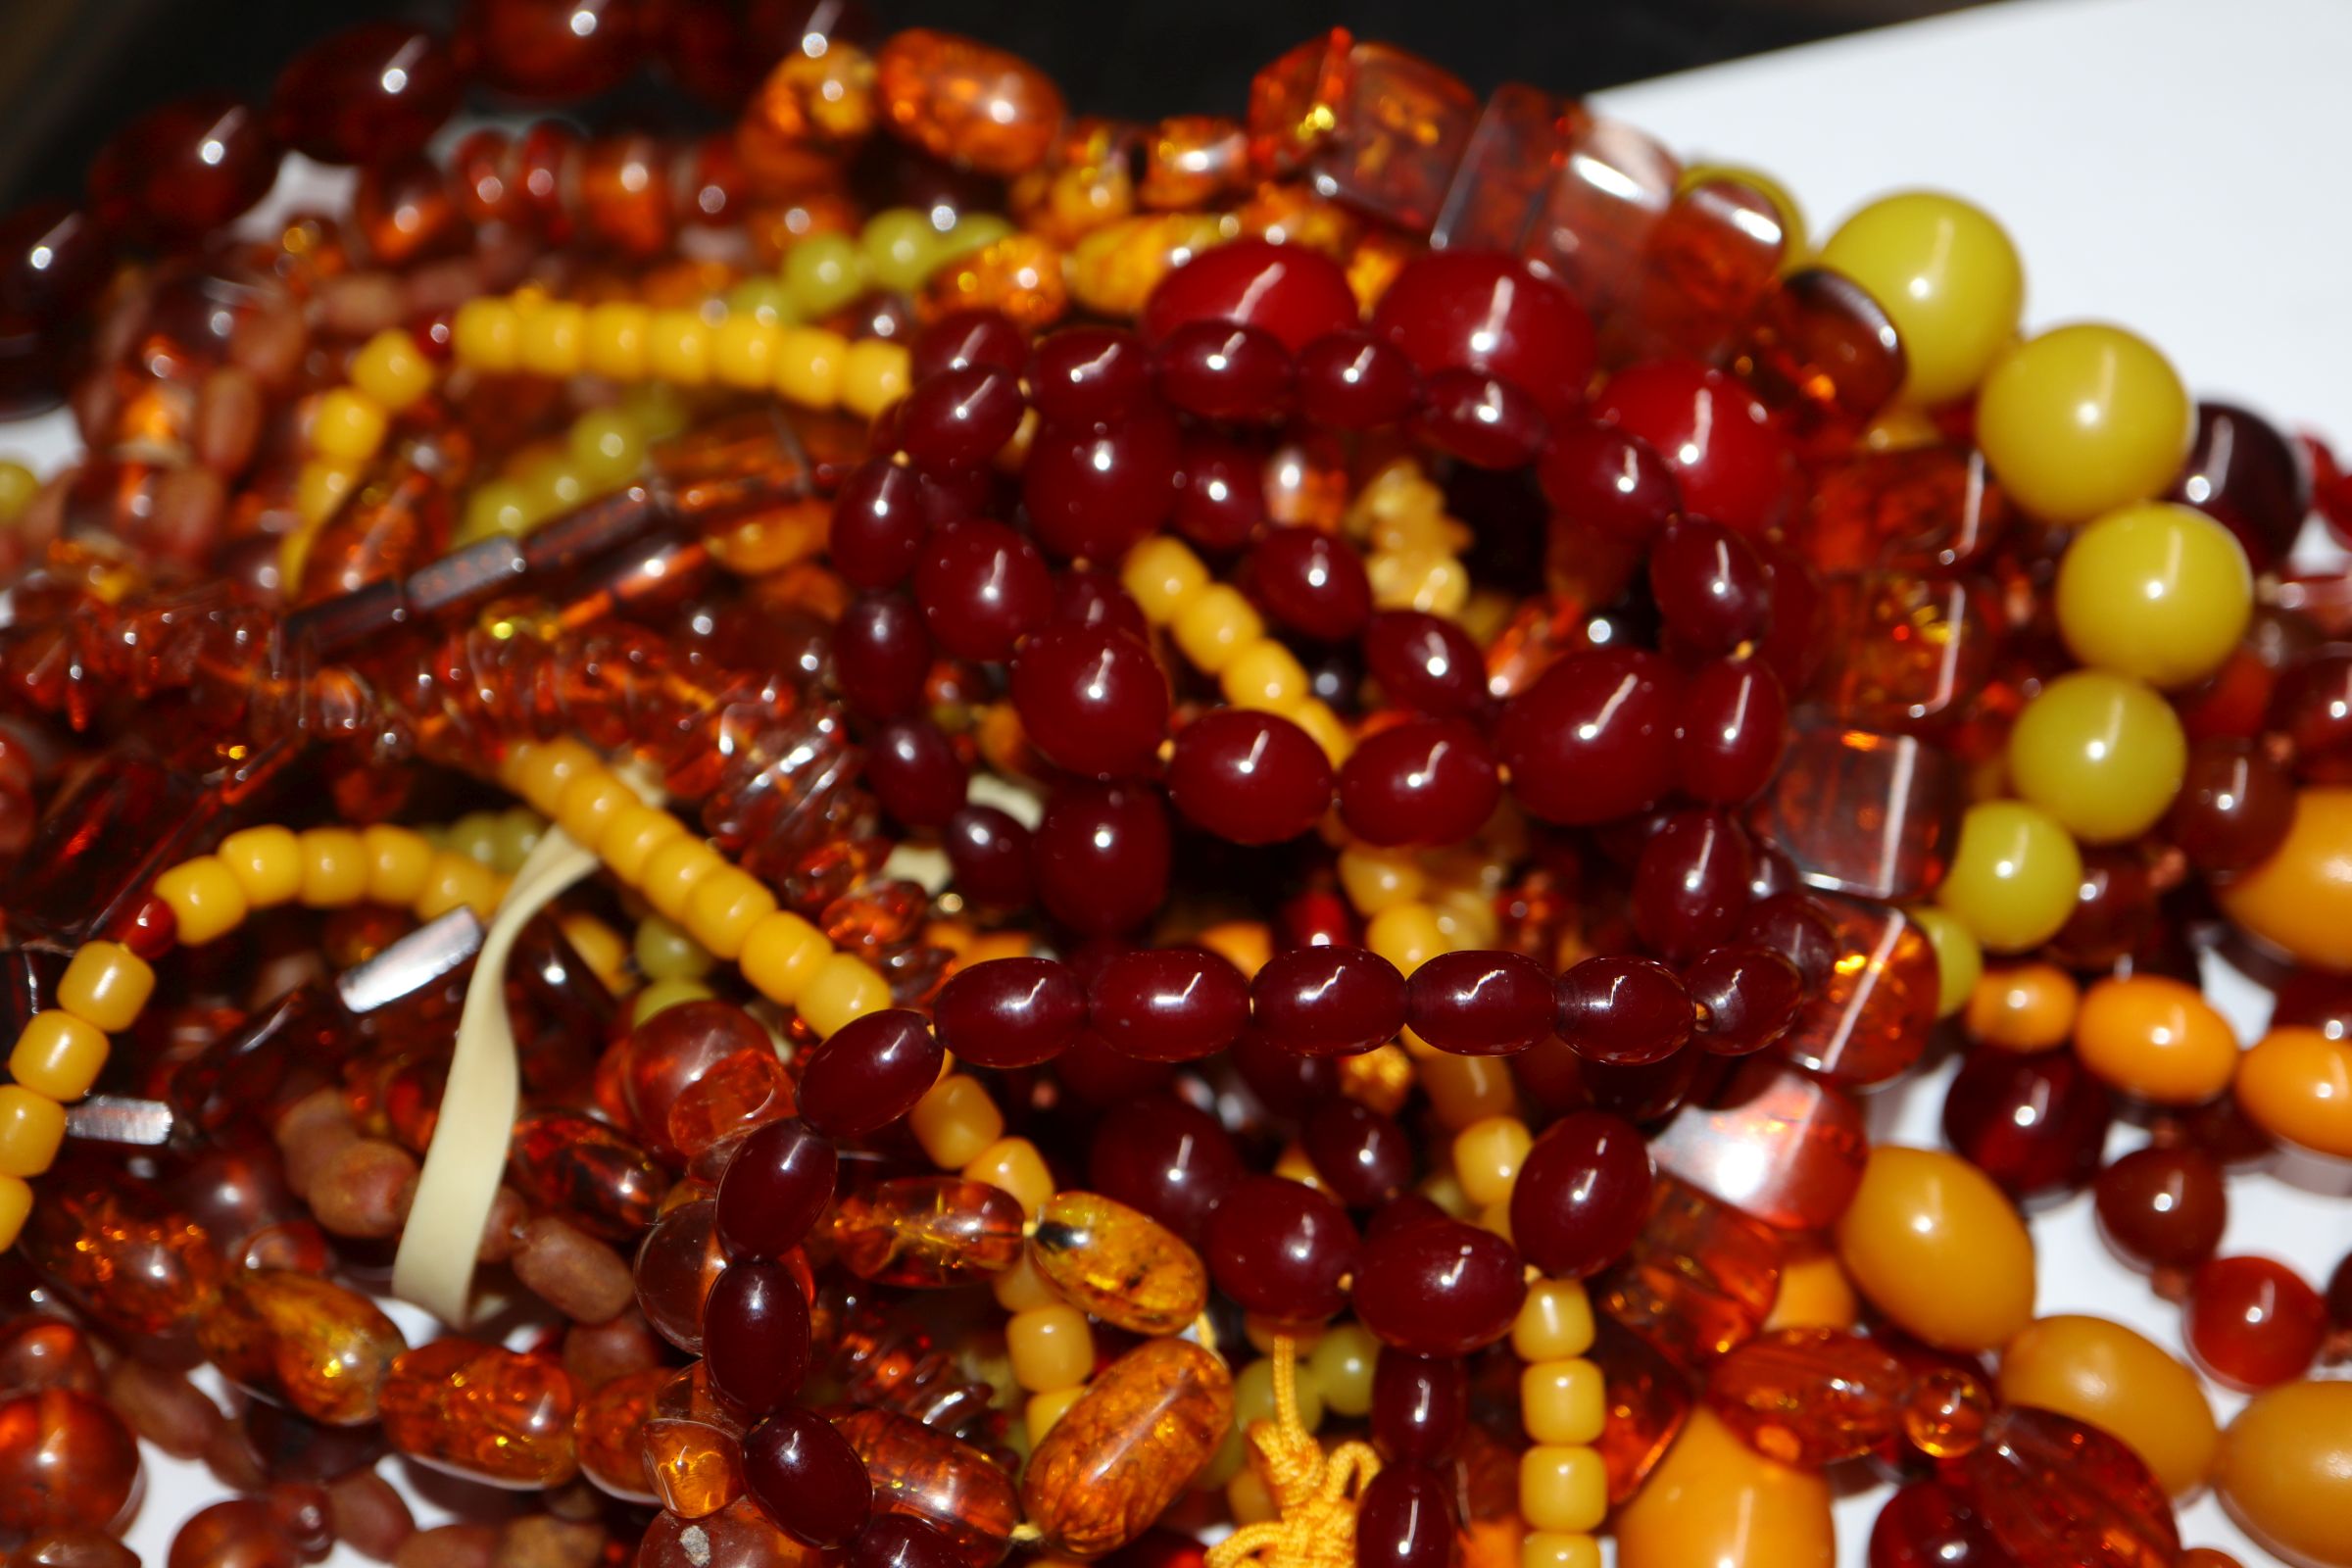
x: 1699, y: 1279
x: 1192, y: 160
x: 1613, y: 187
x: 1717, y: 1504
x: 1403, y: 126
x: 1114, y: 1461
x: 693, y: 1446
x: 482, y: 1413
x: 1771, y: 1142
x: 2052, y: 1490
x: 609, y: 1434
x: 1809, y: 1397
x: 307, y: 1342
x: 67, y: 1460
x: 1710, y: 261
x: 138, y: 1265
x: 1874, y: 815
x: 928, y: 1231
x: 1820, y: 354
x: 948, y: 1485
x: 1928, y: 509
x: 967, y: 104
x: 1870, y: 1018
x: 1910, y: 653
x: 1509, y: 160
x: 1118, y: 1263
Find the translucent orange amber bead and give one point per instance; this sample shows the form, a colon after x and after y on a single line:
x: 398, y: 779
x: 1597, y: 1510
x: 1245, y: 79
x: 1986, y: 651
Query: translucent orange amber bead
x: 1118, y: 1263
x: 1114, y: 1461
x: 65, y: 1461
x: 928, y: 1231
x: 609, y: 1434
x: 482, y: 1413
x: 309, y: 1341
x: 137, y: 1264
x: 1019, y: 275
x: 947, y: 1483
x: 1810, y: 1396
x: 692, y: 1447
x: 1700, y: 1277
x: 967, y: 103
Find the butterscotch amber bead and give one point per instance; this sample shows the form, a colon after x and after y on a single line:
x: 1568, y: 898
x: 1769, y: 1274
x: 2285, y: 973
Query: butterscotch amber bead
x: 32, y: 1127
x: 58, y: 1055
x: 66, y: 1461
x: 1116, y: 1459
x: 106, y: 984
x: 967, y: 103
x: 2300, y: 899
x: 1715, y: 1503
x: 2286, y: 1472
x: 322, y: 1349
x: 482, y: 1413
x: 1120, y: 1265
x: 2296, y: 1085
x: 1936, y: 1246
x: 2123, y: 1384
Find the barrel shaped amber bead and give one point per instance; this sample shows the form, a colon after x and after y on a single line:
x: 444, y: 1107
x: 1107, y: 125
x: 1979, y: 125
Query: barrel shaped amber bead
x: 322, y: 1349
x: 1123, y: 1453
x: 482, y: 1413
x: 1119, y: 1263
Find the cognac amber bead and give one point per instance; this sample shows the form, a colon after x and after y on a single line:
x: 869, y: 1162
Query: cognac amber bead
x: 38, y: 1351
x: 1700, y: 1277
x: 1809, y: 1397
x: 928, y: 1231
x: 367, y: 94
x: 551, y: 50
x: 182, y: 169
x: 485, y: 1413
x: 693, y: 1446
x: 1868, y: 1022
x: 967, y: 104
x: 1809, y: 1134
x: 738, y: 1536
x: 137, y: 1264
x: 609, y: 1434
x: 1114, y: 1461
x: 1905, y: 792
x: 924, y: 1473
x: 1118, y: 1263
x: 307, y: 1342
x: 2052, y: 1490
x: 66, y: 1461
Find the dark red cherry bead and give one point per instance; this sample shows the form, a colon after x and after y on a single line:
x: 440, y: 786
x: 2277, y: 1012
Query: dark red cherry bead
x: 1101, y: 857
x: 1425, y: 662
x: 1420, y: 1403
x: 1405, y: 1519
x: 2338, y: 1295
x: 775, y: 1190
x: 880, y: 515
x: 2036, y: 1124
x: 1710, y: 586
x: 2252, y: 1322
x: 368, y: 94
x: 1248, y: 777
x: 902, y: 1540
x: 1593, y: 737
x: 881, y: 655
x: 1441, y: 1288
x: 1356, y: 381
x: 1480, y: 1003
x: 1799, y: 929
x: 1484, y: 420
x: 1319, y: 917
x: 869, y: 1073
x: 1291, y: 292
x: 53, y: 261
x: 1009, y: 1013
x: 1691, y: 884
x: 1089, y: 596
x: 1601, y: 477
x: 983, y: 587
x: 1799, y: 638
x: 1746, y: 996
x: 1286, y: 1083
x: 962, y: 339
x: 1280, y: 1248
x: 1734, y: 728
x: 551, y: 51
x: 959, y: 418
x: 1221, y: 490
x: 2246, y: 476
x: 1327, y: 1001
x: 1925, y: 1524
x: 1489, y: 312
x: 1093, y: 490
x: 1084, y: 375
x: 2234, y: 806
x: 2162, y: 1206
x: 182, y: 169
x: 1715, y: 435
x: 1167, y: 1157
x: 914, y: 772
x: 988, y: 855
x: 1423, y: 781
x: 1583, y: 1194
x: 1224, y: 370
x: 1167, y: 1004
x: 1309, y: 583
x: 805, y: 1474
x: 755, y: 1336
x: 1364, y: 1156
x: 1092, y: 699
x: 1625, y: 1012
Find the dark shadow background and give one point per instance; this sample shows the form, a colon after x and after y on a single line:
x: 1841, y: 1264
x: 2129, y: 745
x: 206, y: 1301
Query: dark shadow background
x: 72, y: 70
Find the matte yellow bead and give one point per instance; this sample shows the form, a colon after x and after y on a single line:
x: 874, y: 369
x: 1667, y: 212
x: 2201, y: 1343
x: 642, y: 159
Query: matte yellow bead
x: 1044, y: 1409
x: 606, y: 447
x: 18, y: 486
x: 1554, y: 1321
x: 825, y: 271
x: 633, y: 835
x: 1938, y: 1248
x: 1947, y: 276
x: 392, y: 370
x: 1562, y: 1487
x: 487, y: 335
x: 399, y: 860
x: 2104, y: 1374
x: 2101, y: 752
x: 875, y: 373
x: 1021, y: 1287
x: 673, y: 870
x: 1715, y: 1503
x: 1343, y: 1363
x: 1487, y: 1156
x: 2082, y: 421
x: 1050, y: 1347
x: 1380, y: 879
x: 15, y: 1206
x: 1216, y: 626
x: 2014, y: 875
x: 1463, y: 1089
x: 723, y: 909
x: 1959, y: 959
x: 845, y: 988
x: 266, y: 863
x: 1264, y: 675
x: 1814, y: 1293
x: 901, y: 247
x: 1015, y: 1166
x: 347, y: 425
x: 457, y: 881
x: 58, y: 1055
x: 809, y: 366
x: 678, y: 347
x: 31, y: 1128
x: 667, y: 951
x: 205, y: 898
x: 1562, y: 1401
x: 590, y: 803
x: 540, y: 771
x: 1162, y: 575
x: 106, y: 985
x: 954, y: 1120
x: 1559, y: 1548
x: 1406, y: 935
x: 2285, y: 1471
x: 320, y: 488
x: 334, y: 868
x: 614, y: 345
x: 2156, y: 592
x: 781, y: 954
x: 743, y: 353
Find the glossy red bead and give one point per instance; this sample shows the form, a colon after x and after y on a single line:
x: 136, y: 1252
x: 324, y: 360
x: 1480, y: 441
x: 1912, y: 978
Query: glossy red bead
x: 756, y: 1336
x: 1093, y: 700
x: 2234, y: 806
x: 1224, y: 370
x: 1746, y: 996
x: 1733, y: 730
x: 2253, y: 1322
x: 805, y: 1476
x: 1101, y: 857
x: 1710, y: 585
x: 902, y: 1540
x: 1420, y: 1403
x: 881, y: 653
x: 1594, y: 738
x: 1089, y: 596
x: 1425, y: 781
x: 1167, y: 1004
x: 1328, y: 1000
x: 775, y: 1189
x: 1488, y: 312
x: 959, y: 419
x: 1363, y: 1155
x: 1248, y: 777
x: 1925, y: 1524
x: 869, y: 1073
x: 1691, y: 884
x: 1356, y: 381
x: 1291, y: 292
x: 1623, y: 1011
x: 2036, y: 1124
x: 1167, y: 1157
x: 53, y: 261
x: 1220, y: 489
x: 1716, y: 437
x: 1083, y: 376
x: 182, y: 169
x: 1009, y: 1013
x: 368, y: 94
x: 880, y: 517
x: 550, y: 51
x: 1094, y: 489
x: 1484, y: 420
x: 1310, y: 583
x: 1285, y: 1082
x: 915, y: 772
x: 1442, y: 1288
x: 1280, y: 1248
x: 1609, y: 481
x: 1480, y: 1003
x: 1405, y: 1519
x: 982, y: 587
x: 988, y: 854
x: 1583, y: 1194
x: 2162, y: 1206
x: 962, y: 339
x: 2248, y: 476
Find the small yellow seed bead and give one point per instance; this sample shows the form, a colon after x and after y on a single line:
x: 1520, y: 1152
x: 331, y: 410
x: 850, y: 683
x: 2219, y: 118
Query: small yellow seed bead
x: 634, y: 834
x: 589, y: 805
x: 1216, y: 626
x: 266, y: 863
x: 555, y: 340
x: 1559, y: 1548
x: 392, y: 370
x: 723, y: 909
x: 1162, y: 575
x: 105, y: 986
x: 1021, y: 1287
x: 781, y: 954
x: 399, y: 860
x: 334, y: 868
x: 1487, y: 1156
x: 1050, y: 1347
x: 1562, y: 1488
x: 678, y: 347
x: 846, y: 988
x: 58, y: 1055
x: 809, y: 366
x: 1375, y: 880
x: 487, y: 334
x: 1562, y: 1401
x: 1015, y: 1166
x: 1042, y: 1410
x: 456, y: 881
x: 874, y: 374
x: 32, y: 1127
x: 1406, y: 935
x: 205, y: 898
x: 672, y: 871
x: 1554, y: 1321
x: 954, y: 1120
x: 16, y: 1204
x: 1264, y: 675
x: 743, y: 353
x: 615, y: 340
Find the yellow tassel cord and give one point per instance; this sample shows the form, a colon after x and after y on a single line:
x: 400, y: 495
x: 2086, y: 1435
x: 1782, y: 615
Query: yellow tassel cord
x: 1314, y: 1494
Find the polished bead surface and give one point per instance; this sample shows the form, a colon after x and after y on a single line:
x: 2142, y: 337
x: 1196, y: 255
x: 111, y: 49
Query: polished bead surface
x: 1441, y: 1288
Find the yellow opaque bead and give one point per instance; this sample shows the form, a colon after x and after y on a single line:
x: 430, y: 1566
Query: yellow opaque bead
x: 1814, y: 1293
x: 2155, y: 1039
x: 1466, y: 1089
x: 2285, y: 1471
x: 1559, y: 1548
x: 266, y: 861
x: 334, y: 868
x: 2156, y: 592
x: 1431, y: 582
x: 1949, y: 278
x: 1247, y: 944
x: 1050, y: 1347
x: 555, y: 339
x: 616, y: 341
x: 1934, y: 1244
x: 1162, y: 575
x: 667, y: 951
x: 632, y: 837
x: 542, y: 770
x: 105, y: 985
x: 1342, y: 1362
x: 781, y: 954
x: 392, y: 370
x: 1216, y: 626
x: 743, y: 353
x: 1375, y: 880
x: 1554, y: 1321
x: 1407, y: 935
x: 349, y: 425
x: 954, y: 1120
x: 2014, y: 875
x: 1015, y: 1166
x: 724, y: 907
x: 666, y: 994
x: 1021, y: 1287
x: 1715, y: 1503
x: 825, y: 271
x: 809, y: 366
x: 2296, y: 1085
x: 846, y: 988
x: 590, y: 803
x: 678, y: 347
x: 1323, y: 726
x: 1261, y: 1332
x: 205, y: 896
x: 2101, y: 752
x: 487, y: 335
x: 1959, y: 960
x: 2102, y: 1373
x: 58, y: 1055
x: 1044, y: 1409
x: 18, y: 486
x: 901, y: 247
x: 605, y: 950
x: 399, y: 860
x: 1264, y: 675
x: 2300, y: 899
x: 2080, y: 420
x: 32, y: 1127
x: 875, y: 373
x: 1248, y: 1499
x: 1294, y: 1164
x: 1562, y: 1487
x: 606, y: 447
x: 1487, y: 1156
x: 1562, y: 1401
x: 1253, y: 1395
x: 499, y: 505
x: 457, y: 881
x: 673, y: 871
x: 319, y: 489
x: 2024, y: 1007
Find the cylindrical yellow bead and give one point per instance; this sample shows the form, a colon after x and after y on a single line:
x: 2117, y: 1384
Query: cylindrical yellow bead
x: 1264, y: 675
x: 58, y: 1055
x: 455, y: 881
x: 809, y: 366
x: 399, y: 860
x: 590, y: 803
x: 1556, y: 1321
x: 1487, y: 1156
x: 1559, y: 1548
x: 1562, y: 1487
x: 782, y: 953
x: 724, y: 907
x: 32, y: 1127
x: 674, y: 870
x: 1465, y: 1089
x: 954, y: 1120
x: 633, y: 835
x: 106, y: 985
x: 1216, y: 626
x: 874, y: 374
x: 1015, y: 1166
x: 1380, y: 879
x: 392, y: 370
x: 266, y: 863
x: 334, y: 868
x: 615, y: 343
x: 677, y: 348
x: 15, y: 1203
x: 846, y: 987
x: 1162, y: 575
x: 1050, y: 1347
x: 542, y: 771
x: 1022, y: 1287
x: 555, y: 339
x: 487, y: 334
x: 1562, y: 1401
x: 205, y: 898
x: 743, y: 353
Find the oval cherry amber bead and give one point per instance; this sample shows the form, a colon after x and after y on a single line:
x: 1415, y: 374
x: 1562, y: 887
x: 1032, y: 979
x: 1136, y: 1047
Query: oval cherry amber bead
x: 182, y: 168
x: 1364, y: 1156
x: 2252, y: 1322
x: 1423, y: 781
x: 1328, y: 1002
x: 1442, y: 1288
x: 1405, y: 1519
x: 1356, y: 381
x: 2162, y: 1206
x: 1717, y: 437
x: 803, y: 1474
x: 1425, y: 662
x: 1093, y: 699
x: 1733, y: 729
x: 368, y: 94
x: 775, y: 1190
x: 1248, y: 777
x: 982, y: 587
x: 2036, y: 1124
x: 1093, y: 490
x: 1624, y: 1013
x: 1419, y: 1405
x: 1280, y: 1248
x: 1487, y: 311
x: 1224, y: 370
x: 869, y: 1073
x: 1101, y: 857
x: 1746, y: 996
x: 959, y: 419
x: 988, y: 852
x: 755, y: 1336
x: 1291, y: 292
x: 1083, y: 374
x: 1480, y: 1003
x: 1168, y: 1003
x: 1594, y: 738
x: 1009, y: 1013
x: 1167, y: 1157
x: 1311, y: 583
x: 1582, y: 1194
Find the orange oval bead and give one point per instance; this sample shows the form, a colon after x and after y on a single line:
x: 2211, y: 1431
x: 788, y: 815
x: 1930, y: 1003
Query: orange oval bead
x: 483, y: 1412
x: 924, y: 1473
x: 1114, y: 1461
x: 1934, y: 1244
x: 693, y: 1446
x: 1715, y: 1503
x: 609, y: 1434
x: 967, y: 103
x: 1119, y: 1263
x: 2023, y: 1007
x: 2156, y: 1039
x: 2300, y: 899
x: 2284, y: 1472
x: 2296, y: 1085
x: 928, y: 1231
x: 2104, y: 1374
x: 309, y: 1341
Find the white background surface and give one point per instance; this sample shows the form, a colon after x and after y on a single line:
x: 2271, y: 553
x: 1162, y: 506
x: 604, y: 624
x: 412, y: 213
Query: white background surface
x: 2172, y: 165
